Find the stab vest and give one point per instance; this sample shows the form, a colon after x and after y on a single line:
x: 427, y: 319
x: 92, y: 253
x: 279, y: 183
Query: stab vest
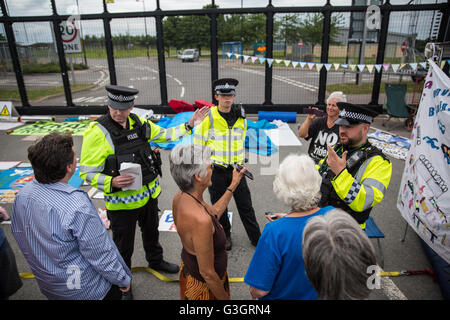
x: 131, y: 145
x: 329, y: 195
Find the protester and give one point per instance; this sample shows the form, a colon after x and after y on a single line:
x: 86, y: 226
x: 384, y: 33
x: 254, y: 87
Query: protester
x: 9, y: 277
x: 276, y: 270
x: 321, y: 130
x: 337, y: 254
x: 203, y: 274
x: 60, y: 232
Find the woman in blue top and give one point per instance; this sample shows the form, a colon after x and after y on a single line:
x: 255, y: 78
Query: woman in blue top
x: 276, y: 270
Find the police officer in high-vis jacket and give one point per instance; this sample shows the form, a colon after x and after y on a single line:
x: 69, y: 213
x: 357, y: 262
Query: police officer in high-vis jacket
x: 121, y: 136
x: 224, y: 130
x: 355, y: 173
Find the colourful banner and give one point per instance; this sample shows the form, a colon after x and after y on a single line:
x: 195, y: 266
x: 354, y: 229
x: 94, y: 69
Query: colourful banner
x: 424, y: 199
x: 47, y: 127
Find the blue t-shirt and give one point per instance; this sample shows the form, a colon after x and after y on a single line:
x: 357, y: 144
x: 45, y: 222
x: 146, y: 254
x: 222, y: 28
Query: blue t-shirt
x: 277, y: 264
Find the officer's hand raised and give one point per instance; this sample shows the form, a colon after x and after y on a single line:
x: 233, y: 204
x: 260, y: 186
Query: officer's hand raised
x: 336, y: 163
x: 198, y: 116
x: 122, y: 181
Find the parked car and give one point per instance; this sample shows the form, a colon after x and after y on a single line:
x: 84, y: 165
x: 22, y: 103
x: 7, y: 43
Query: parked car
x: 190, y: 55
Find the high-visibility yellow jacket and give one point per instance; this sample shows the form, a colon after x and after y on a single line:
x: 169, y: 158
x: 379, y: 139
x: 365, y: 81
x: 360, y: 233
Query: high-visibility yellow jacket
x: 358, y: 189
x: 227, y: 144
x: 98, y: 145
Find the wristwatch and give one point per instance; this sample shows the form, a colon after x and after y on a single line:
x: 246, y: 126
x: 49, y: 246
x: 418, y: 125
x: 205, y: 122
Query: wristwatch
x: 188, y: 127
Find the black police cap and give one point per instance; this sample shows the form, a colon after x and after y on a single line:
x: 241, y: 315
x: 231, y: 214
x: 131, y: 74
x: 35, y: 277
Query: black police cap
x: 351, y: 114
x: 120, y: 97
x: 225, y: 86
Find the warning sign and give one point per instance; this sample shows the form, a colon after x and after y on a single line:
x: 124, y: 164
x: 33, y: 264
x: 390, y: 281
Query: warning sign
x: 70, y: 37
x: 5, y: 109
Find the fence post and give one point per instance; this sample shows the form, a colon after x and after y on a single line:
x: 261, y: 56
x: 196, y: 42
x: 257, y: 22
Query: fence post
x: 385, y: 12
x: 324, y: 54
x: 61, y: 56
x: 15, y: 56
x: 109, y: 46
x: 213, y: 45
x: 161, y: 58
x: 269, y: 54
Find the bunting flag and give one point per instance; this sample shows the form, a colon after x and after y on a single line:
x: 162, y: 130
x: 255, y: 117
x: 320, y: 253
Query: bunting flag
x: 319, y: 65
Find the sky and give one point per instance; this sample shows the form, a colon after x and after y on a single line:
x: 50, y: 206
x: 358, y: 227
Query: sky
x: 40, y: 32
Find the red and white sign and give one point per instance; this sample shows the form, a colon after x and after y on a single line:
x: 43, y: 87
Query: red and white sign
x: 300, y: 43
x: 70, y: 37
x: 403, y: 47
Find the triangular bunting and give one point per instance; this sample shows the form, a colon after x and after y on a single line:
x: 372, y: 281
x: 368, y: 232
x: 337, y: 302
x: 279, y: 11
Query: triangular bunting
x: 278, y: 60
x: 269, y: 62
x: 370, y: 67
x: 395, y: 67
x: 403, y: 65
x: 327, y: 66
x: 245, y: 57
x: 336, y: 66
x: 386, y: 66
x: 302, y: 64
x: 287, y: 62
x: 254, y: 59
x: 294, y: 63
x: 261, y: 60
x: 319, y: 66
x: 413, y: 66
x: 443, y: 64
x: 423, y: 64
x: 229, y: 54
x: 361, y: 67
x: 237, y: 55
x: 345, y: 66
x: 378, y: 67
x: 353, y: 67
x: 310, y: 65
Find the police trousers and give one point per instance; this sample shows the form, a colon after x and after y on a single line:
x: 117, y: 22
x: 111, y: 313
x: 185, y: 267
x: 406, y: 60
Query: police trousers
x: 221, y: 179
x: 123, y: 226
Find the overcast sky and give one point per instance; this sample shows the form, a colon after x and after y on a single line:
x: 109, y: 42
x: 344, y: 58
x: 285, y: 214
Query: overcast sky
x: 40, y: 32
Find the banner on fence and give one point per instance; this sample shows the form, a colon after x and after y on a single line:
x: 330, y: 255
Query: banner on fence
x: 424, y: 199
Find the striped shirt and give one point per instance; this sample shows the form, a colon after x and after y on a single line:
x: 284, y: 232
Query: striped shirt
x: 65, y: 243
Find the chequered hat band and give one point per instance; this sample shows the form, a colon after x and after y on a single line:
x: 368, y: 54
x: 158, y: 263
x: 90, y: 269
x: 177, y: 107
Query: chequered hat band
x: 120, y: 98
x: 355, y: 116
x: 225, y: 86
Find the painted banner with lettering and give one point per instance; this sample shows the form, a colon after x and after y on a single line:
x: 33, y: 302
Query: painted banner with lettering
x: 424, y: 197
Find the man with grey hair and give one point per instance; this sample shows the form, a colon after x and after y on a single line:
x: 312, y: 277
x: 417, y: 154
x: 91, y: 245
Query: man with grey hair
x: 321, y: 130
x: 336, y: 254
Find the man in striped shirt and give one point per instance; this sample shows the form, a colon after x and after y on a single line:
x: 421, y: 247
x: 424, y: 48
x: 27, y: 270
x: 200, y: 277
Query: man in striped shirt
x: 60, y: 232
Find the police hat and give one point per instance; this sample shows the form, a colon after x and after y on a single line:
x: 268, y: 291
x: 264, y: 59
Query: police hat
x: 225, y: 86
x: 119, y: 97
x: 351, y: 114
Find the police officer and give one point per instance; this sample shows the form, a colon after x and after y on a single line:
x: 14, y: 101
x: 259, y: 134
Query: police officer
x: 224, y: 130
x: 355, y: 173
x: 121, y: 136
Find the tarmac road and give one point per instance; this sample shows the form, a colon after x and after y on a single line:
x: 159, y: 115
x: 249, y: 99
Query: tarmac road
x: 398, y: 255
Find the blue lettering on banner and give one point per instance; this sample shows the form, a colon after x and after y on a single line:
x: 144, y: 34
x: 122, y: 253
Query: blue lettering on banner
x: 438, y: 108
x: 441, y: 92
x: 169, y: 218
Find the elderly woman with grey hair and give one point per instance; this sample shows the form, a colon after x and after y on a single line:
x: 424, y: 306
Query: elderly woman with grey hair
x: 337, y: 254
x: 276, y: 271
x: 321, y: 130
x: 203, y: 270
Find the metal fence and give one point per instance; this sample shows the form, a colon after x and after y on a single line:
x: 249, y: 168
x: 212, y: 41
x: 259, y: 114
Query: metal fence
x: 277, y: 71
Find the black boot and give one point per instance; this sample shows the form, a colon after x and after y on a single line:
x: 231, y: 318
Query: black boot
x: 165, y: 266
